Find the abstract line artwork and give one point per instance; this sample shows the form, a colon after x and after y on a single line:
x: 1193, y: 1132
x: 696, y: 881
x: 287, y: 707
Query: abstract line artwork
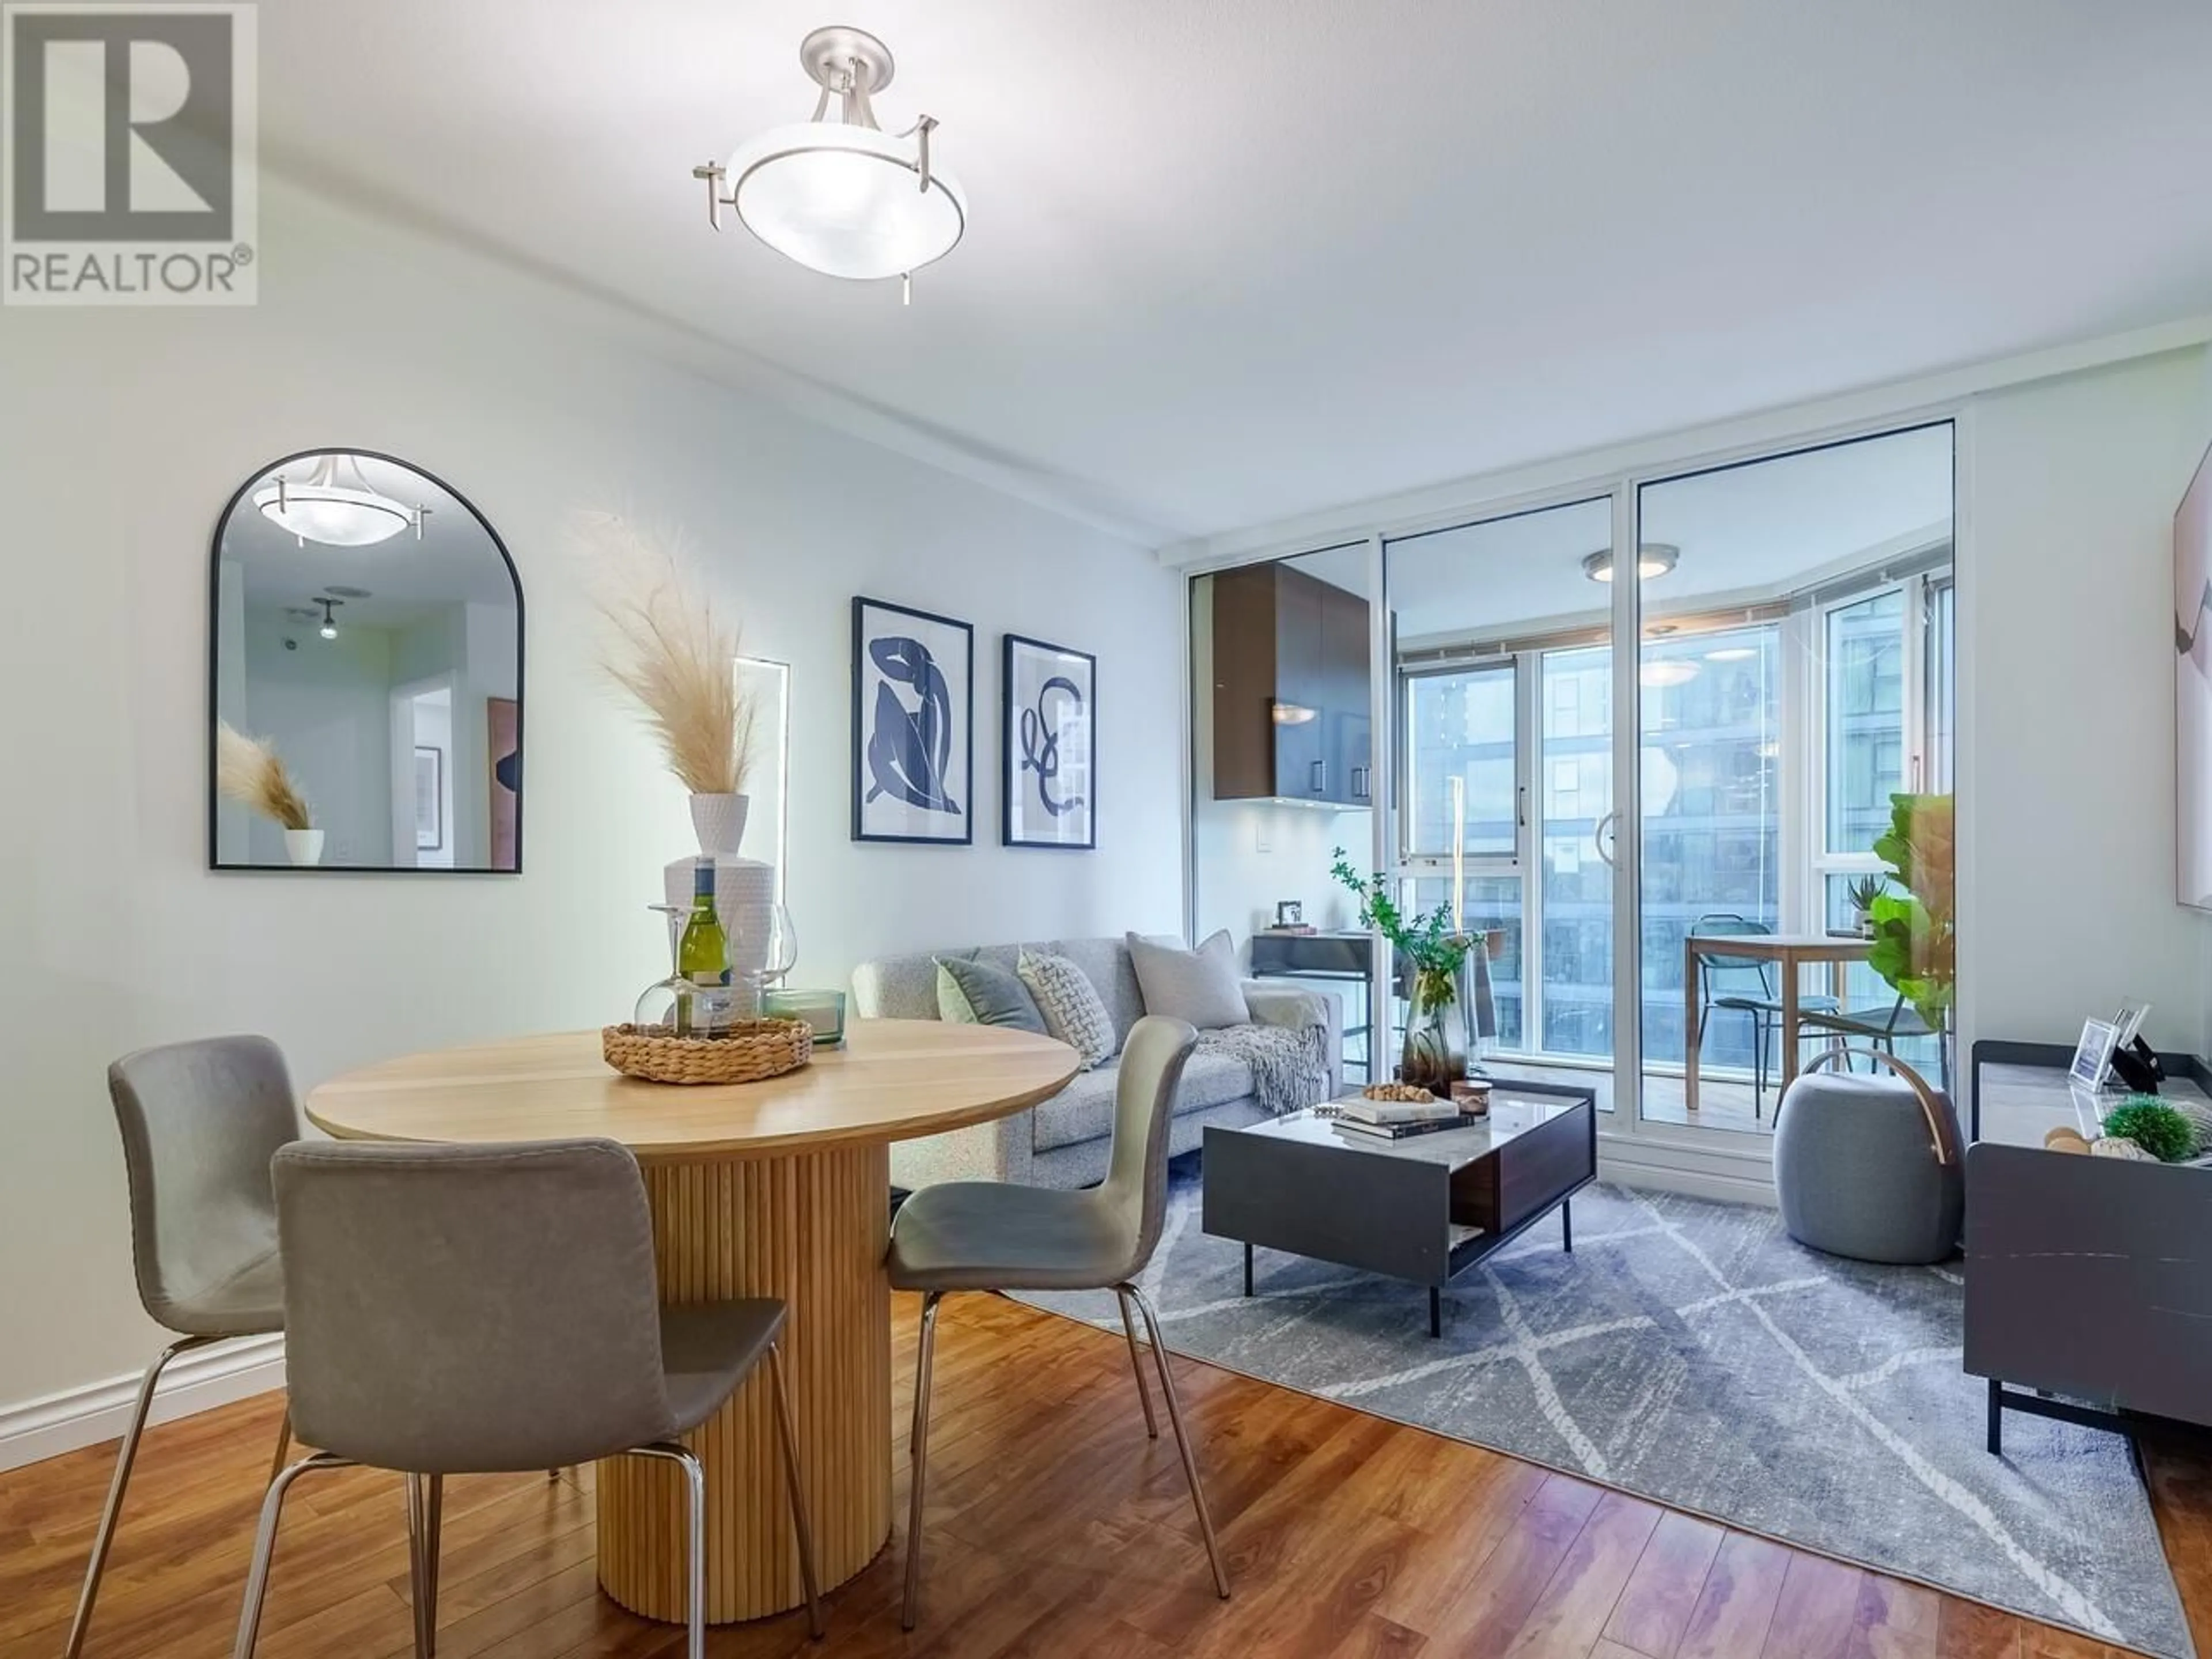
x: 1049, y: 732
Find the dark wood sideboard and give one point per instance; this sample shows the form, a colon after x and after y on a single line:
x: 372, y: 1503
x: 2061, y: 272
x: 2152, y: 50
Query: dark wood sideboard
x: 2089, y: 1280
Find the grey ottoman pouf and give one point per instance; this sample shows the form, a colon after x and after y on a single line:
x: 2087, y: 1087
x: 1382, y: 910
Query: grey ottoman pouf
x: 1869, y: 1166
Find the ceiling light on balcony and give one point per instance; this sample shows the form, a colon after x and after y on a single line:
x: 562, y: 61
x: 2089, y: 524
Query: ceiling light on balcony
x: 841, y: 196
x: 334, y: 505
x: 1652, y: 559
x: 1664, y: 672
x: 1292, y: 714
x: 1733, y: 654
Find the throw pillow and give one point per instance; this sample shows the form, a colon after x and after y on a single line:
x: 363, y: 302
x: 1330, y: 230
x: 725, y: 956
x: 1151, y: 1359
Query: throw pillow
x: 1199, y: 986
x: 983, y: 993
x: 1074, y: 1011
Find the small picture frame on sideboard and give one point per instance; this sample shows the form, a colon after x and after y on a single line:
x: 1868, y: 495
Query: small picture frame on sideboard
x: 2093, y: 1055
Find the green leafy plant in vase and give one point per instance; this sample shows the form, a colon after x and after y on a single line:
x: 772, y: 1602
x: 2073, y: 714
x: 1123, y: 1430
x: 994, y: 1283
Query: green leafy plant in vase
x: 1916, y: 949
x: 1434, y: 1056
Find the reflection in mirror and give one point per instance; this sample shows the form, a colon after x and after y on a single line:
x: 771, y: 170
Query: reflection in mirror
x: 366, y: 652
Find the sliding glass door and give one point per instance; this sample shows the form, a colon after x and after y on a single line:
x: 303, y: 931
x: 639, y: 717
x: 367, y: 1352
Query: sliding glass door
x: 1503, y: 693
x: 1791, y: 632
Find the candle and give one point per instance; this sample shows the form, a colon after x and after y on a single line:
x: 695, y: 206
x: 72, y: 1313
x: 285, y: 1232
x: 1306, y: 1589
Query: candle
x: 823, y: 1010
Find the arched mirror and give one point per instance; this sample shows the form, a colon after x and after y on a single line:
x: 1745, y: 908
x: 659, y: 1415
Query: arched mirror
x: 366, y: 674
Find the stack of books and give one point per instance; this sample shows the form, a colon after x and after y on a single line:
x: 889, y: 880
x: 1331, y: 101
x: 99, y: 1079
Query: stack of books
x: 1394, y: 1120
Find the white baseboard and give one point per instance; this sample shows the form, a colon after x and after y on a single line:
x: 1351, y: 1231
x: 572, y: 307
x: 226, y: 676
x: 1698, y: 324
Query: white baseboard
x: 1719, y: 1185
x: 195, y: 1381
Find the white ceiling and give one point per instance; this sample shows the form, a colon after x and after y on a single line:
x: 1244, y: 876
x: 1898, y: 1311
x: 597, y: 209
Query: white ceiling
x: 1746, y: 533
x: 1233, y: 261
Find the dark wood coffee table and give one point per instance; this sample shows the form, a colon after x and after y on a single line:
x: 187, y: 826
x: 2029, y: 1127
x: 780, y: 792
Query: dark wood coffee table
x: 1424, y: 1208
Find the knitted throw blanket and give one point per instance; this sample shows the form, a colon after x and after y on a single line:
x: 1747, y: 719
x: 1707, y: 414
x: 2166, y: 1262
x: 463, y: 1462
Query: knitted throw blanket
x: 1289, y: 1065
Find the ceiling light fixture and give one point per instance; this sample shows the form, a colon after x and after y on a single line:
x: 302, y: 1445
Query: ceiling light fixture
x: 1293, y: 713
x: 334, y: 505
x: 842, y: 196
x: 329, y: 630
x: 1665, y: 671
x: 1652, y: 559
x: 1733, y: 654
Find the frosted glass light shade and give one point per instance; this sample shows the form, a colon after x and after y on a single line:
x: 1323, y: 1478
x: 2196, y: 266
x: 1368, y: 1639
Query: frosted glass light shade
x: 333, y: 506
x: 845, y: 200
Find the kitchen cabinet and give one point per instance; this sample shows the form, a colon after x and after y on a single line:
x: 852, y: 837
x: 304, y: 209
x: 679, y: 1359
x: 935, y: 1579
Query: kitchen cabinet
x: 1290, y: 717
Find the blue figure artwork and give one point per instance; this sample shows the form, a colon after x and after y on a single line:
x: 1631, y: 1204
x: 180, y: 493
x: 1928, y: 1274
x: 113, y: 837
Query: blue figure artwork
x: 910, y: 749
x: 1040, y: 741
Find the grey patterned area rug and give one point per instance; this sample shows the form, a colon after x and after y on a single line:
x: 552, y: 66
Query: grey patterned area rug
x: 1691, y: 1353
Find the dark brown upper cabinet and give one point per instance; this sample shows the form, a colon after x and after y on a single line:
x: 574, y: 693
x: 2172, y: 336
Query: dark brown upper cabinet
x: 1291, y: 719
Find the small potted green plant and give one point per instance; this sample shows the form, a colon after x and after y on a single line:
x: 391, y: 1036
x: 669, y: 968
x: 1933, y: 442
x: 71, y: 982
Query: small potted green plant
x: 1435, y: 1053
x: 1861, y: 893
x: 2153, y: 1126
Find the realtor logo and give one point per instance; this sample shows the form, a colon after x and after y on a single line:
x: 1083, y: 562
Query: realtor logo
x: 129, y: 172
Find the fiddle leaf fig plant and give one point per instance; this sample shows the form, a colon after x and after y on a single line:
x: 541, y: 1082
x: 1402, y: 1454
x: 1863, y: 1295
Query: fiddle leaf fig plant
x: 1915, y: 931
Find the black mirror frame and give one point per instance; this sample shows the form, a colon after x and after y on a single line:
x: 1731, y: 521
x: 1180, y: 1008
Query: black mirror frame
x: 214, y: 652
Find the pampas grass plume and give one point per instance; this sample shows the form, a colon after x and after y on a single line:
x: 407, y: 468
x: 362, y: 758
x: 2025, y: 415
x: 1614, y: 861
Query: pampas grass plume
x: 675, y: 656
x: 247, y: 771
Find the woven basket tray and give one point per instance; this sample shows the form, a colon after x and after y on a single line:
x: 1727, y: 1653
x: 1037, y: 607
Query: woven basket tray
x: 753, y: 1050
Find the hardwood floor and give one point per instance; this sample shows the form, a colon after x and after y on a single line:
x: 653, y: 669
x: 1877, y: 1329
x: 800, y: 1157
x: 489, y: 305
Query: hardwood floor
x: 1054, y: 1528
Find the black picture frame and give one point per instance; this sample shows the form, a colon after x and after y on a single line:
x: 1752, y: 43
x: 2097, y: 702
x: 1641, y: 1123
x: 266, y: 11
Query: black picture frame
x: 895, y: 756
x: 215, y: 862
x: 1029, y: 756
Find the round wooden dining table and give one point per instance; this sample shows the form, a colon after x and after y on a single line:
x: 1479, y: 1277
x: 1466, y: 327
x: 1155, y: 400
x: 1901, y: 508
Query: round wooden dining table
x: 778, y: 1188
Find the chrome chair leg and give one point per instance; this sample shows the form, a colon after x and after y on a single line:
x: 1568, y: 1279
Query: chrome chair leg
x: 284, y: 1445
x: 265, y: 1548
x: 1181, y: 1435
x: 798, y: 1523
x: 1137, y: 1364
x: 918, y: 1450
x: 125, y: 1456
x: 695, y: 1476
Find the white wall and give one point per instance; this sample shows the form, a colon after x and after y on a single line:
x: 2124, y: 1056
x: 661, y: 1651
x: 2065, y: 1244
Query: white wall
x: 2066, y: 691
x: 121, y: 432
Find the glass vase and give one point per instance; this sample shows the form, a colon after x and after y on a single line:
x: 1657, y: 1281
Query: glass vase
x: 1435, y: 1053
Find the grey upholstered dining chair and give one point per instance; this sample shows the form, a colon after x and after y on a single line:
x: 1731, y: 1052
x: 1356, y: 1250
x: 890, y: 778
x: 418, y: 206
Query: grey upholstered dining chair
x: 996, y: 1235
x: 200, y: 1121
x: 488, y: 1310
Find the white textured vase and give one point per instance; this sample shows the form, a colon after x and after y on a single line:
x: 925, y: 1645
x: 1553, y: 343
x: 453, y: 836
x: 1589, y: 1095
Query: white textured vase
x: 304, y: 846
x: 720, y: 821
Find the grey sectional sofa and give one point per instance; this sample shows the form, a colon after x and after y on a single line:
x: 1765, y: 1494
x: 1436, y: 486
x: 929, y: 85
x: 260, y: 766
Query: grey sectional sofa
x: 1063, y: 1141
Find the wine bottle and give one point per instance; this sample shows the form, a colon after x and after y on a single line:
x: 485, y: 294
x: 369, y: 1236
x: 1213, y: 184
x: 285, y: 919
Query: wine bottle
x: 702, y: 959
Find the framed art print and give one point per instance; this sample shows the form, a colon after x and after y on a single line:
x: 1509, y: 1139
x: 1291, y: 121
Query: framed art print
x: 1049, y: 735
x: 914, y: 726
